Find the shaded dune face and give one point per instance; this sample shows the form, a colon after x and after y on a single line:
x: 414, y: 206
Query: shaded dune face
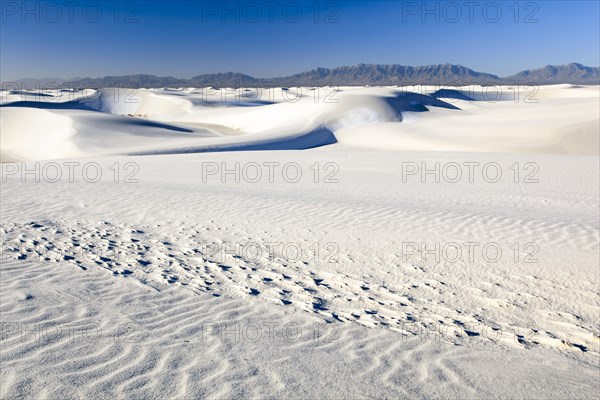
x: 357, y: 110
x: 64, y: 124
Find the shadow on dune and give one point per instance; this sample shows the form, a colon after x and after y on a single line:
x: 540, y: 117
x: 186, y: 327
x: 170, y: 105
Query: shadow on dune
x: 484, y: 94
x: 219, y: 103
x: 139, y: 122
x: 451, y: 94
x: 49, y: 105
x: 31, y: 94
x: 315, y: 138
x: 416, y: 102
x: 80, y: 105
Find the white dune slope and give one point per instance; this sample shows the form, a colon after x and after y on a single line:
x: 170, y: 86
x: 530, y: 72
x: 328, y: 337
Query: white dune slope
x: 553, y: 119
x: 354, y: 269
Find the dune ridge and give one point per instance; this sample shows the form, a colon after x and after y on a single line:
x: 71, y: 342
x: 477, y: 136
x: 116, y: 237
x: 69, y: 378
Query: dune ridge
x: 552, y: 119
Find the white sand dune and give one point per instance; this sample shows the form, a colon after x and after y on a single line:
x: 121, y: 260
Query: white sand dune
x: 37, y: 134
x: 559, y: 122
x: 555, y: 119
x: 148, y: 284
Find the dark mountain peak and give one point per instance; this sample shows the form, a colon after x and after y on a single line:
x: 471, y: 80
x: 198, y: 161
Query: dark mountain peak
x: 576, y: 65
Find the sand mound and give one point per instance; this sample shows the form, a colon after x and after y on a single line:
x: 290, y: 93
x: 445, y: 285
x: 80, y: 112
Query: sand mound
x: 552, y: 119
x: 36, y: 134
x: 122, y: 101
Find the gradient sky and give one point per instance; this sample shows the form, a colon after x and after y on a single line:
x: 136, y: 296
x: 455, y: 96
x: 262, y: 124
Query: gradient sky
x: 185, y: 38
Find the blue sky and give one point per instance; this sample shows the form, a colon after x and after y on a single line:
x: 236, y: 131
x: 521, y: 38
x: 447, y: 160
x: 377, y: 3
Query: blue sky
x: 275, y: 38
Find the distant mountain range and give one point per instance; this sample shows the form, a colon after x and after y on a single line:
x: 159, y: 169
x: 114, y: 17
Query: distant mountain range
x: 357, y: 75
x: 550, y: 74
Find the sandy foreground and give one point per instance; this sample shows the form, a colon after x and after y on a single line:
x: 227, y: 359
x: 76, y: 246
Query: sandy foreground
x: 397, y: 243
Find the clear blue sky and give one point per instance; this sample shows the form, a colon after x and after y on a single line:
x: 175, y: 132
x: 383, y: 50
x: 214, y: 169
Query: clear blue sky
x: 274, y: 38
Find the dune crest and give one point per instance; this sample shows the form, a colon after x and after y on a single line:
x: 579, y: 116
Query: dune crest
x: 549, y: 119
